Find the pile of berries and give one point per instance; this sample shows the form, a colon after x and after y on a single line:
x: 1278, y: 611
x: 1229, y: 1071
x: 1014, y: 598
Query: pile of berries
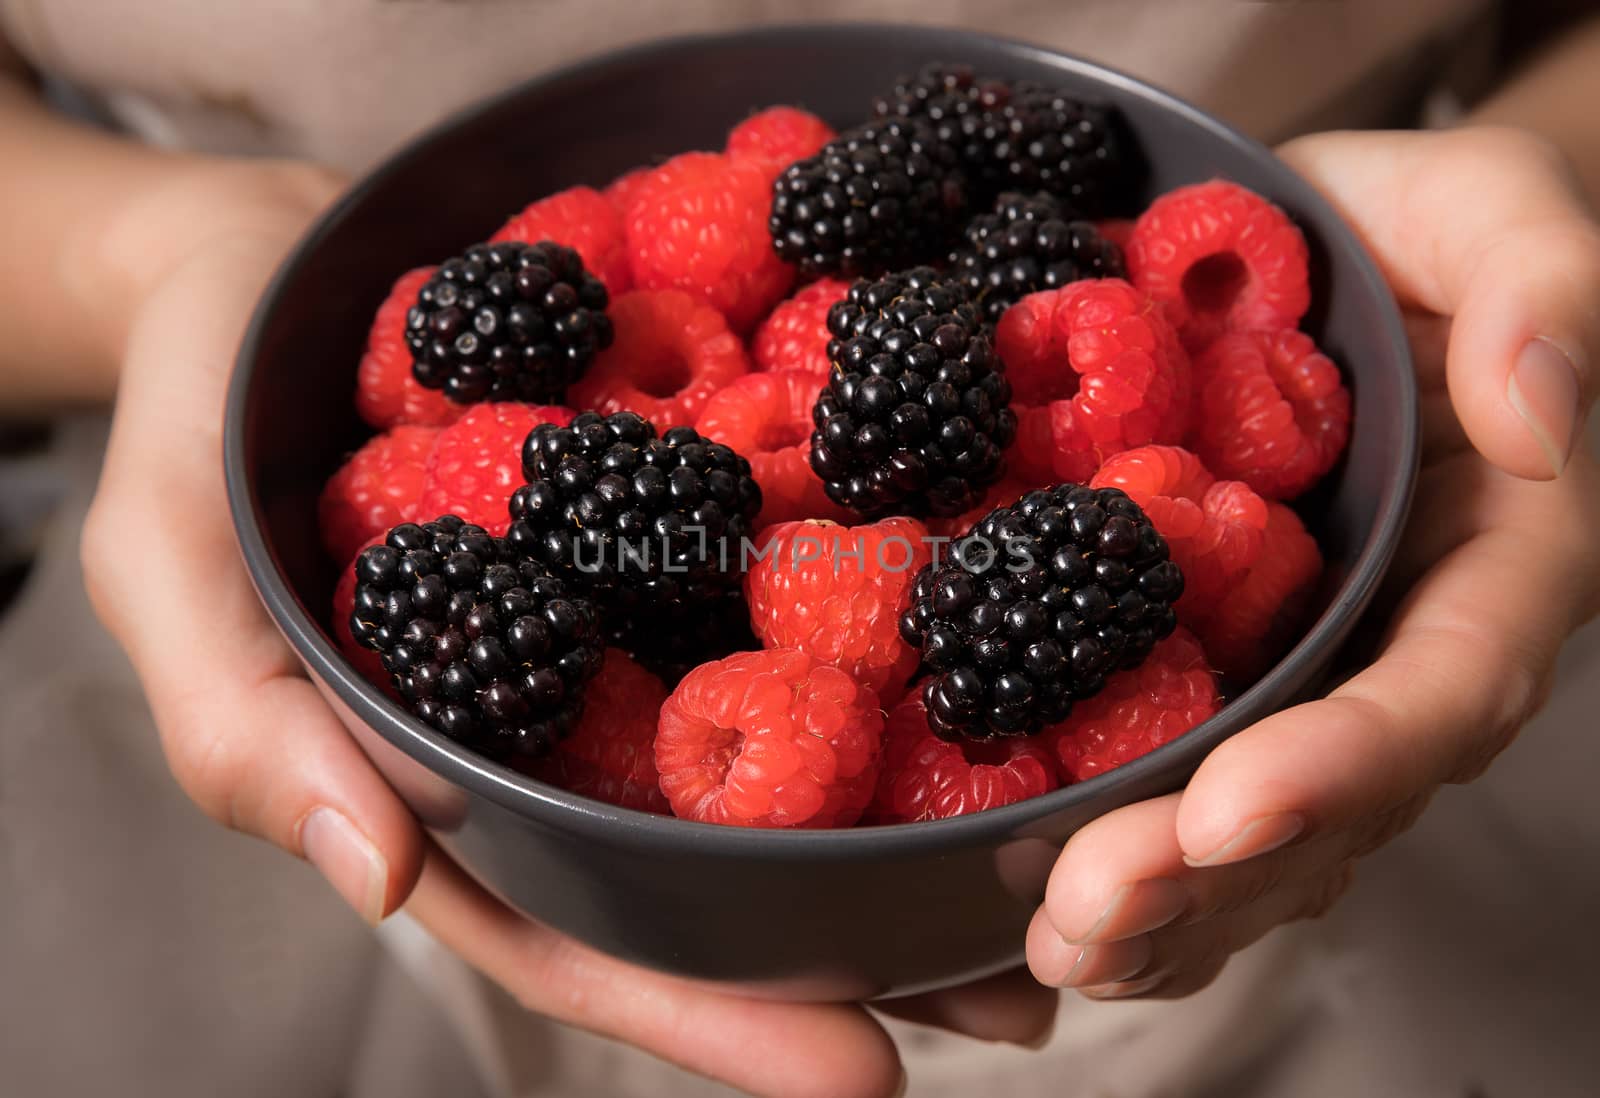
x: 871, y: 476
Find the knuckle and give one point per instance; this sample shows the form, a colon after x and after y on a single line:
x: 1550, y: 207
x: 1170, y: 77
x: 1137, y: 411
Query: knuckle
x: 1497, y: 146
x: 203, y: 765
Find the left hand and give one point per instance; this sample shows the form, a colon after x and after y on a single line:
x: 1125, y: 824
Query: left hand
x: 1494, y: 255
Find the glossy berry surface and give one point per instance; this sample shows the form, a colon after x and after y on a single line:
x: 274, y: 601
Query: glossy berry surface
x: 1036, y: 607
x: 1138, y: 711
x: 928, y: 778
x: 1042, y: 139
x: 837, y: 593
x: 769, y: 739
x: 581, y: 218
x: 917, y: 409
x: 508, y: 321
x: 387, y: 394
x: 489, y: 650
x: 1028, y: 243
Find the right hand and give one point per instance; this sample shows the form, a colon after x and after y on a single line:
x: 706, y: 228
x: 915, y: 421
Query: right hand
x: 254, y: 744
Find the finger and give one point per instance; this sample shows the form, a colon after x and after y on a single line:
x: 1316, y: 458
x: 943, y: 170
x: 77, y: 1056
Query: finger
x: 1488, y: 227
x: 1466, y: 664
x: 774, y: 1049
x: 1124, y: 875
x: 1184, y: 960
x: 246, y: 735
x: 1011, y: 1007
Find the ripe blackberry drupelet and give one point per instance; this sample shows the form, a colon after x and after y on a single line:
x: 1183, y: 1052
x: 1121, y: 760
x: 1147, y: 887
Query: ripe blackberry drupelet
x: 1042, y: 139
x: 1035, y: 607
x: 917, y: 407
x: 1028, y: 244
x: 954, y: 101
x: 880, y: 196
x: 492, y: 652
x: 509, y: 321
x: 710, y: 630
x: 648, y: 525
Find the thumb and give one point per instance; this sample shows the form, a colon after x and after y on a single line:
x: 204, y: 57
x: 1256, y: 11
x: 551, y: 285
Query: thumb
x: 1487, y: 227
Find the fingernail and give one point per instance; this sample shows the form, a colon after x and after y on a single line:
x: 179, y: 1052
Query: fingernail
x: 1544, y: 390
x: 1109, y: 963
x: 1254, y: 838
x: 348, y: 860
x: 1126, y: 989
x: 1137, y: 908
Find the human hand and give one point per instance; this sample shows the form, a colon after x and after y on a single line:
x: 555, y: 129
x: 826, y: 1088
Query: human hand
x: 253, y: 743
x: 1496, y: 260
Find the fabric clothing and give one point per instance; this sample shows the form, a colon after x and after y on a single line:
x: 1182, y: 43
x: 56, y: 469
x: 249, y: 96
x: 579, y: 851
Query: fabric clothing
x: 143, y: 951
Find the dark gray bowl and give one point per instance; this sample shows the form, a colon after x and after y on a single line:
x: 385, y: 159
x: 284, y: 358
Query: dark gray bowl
x: 856, y: 913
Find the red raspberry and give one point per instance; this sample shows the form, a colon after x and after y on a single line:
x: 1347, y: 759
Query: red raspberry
x: 610, y: 755
x: 670, y: 354
x: 767, y: 419
x: 795, y: 335
x: 1173, y: 690
x: 477, y: 462
x: 1097, y: 370
x: 368, y: 664
x: 1256, y: 623
x: 379, y: 487
x: 621, y: 191
x: 581, y: 218
x: 699, y: 224
x: 837, y: 592
x: 1274, y: 412
x: 386, y: 392
x: 1220, y: 258
x: 1214, y: 529
x: 769, y: 739
x: 776, y: 137
x: 926, y: 778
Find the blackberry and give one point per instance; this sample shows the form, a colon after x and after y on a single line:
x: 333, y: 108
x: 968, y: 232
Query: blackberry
x: 953, y: 100
x: 712, y: 630
x: 648, y: 526
x: 1042, y: 139
x: 882, y: 195
x: 917, y: 407
x: 1027, y: 244
x: 509, y: 321
x: 1035, y: 606
x: 493, y: 652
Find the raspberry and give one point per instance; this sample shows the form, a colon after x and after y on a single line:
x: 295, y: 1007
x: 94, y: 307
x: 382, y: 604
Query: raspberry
x: 379, y: 487
x: 1220, y: 258
x: 1035, y: 607
x: 769, y: 739
x: 1254, y: 625
x: 582, y: 219
x: 610, y: 755
x: 837, y: 592
x: 1214, y: 529
x: 1139, y: 710
x: 1098, y: 369
x: 699, y: 224
x: 926, y: 778
x: 670, y: 354
x: 1274, y: 412
x: 620, y: 193
x: 366, y: 662
x: 489, y: 650
x: 476, y: 462
x: 776, y: 137
x: 508, y: 321
x: 386, y: 392
x: 795, y: 335
x: 767, y: 418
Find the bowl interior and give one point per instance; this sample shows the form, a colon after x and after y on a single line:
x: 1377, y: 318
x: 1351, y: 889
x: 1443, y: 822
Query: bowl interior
x: 290, y: 416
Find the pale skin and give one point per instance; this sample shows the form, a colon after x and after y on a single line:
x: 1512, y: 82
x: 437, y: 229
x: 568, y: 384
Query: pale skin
x: 130, y: 272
